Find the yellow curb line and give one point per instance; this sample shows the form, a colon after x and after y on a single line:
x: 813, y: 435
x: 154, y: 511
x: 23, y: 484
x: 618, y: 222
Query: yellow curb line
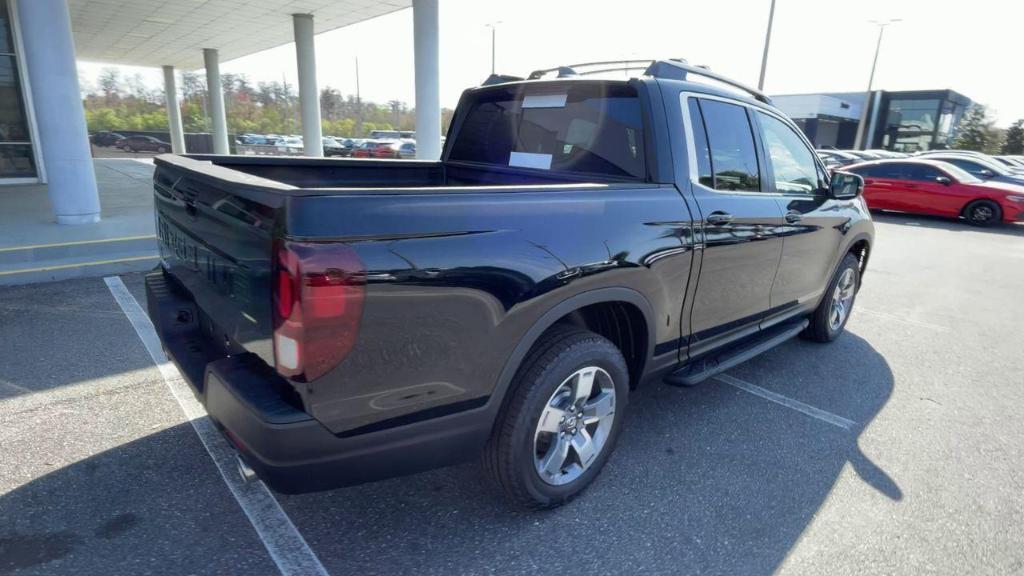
x: 82, y: 264
x: 78, y: 243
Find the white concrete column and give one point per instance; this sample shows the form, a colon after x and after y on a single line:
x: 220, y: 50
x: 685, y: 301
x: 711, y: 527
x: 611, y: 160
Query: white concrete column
x: 173, y: 111
x: 309, y: 92
x: 62, y: 136
x: 428, y: 86
x: 216, y: 101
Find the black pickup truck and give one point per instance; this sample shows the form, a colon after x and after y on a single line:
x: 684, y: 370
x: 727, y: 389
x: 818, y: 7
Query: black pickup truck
x: 345, y: 320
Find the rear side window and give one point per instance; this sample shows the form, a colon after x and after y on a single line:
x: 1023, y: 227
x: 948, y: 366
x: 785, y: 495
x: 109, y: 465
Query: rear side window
x: 793, y: 167
x: 924, y: 173
x: 595, y: 129
x: 700, y: 144
x: 889, y: 171
x: 733, y: 159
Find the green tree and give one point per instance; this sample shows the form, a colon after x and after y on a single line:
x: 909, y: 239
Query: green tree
x: 978, y: 132
x: 126, y: 103
x: 1014, y: 143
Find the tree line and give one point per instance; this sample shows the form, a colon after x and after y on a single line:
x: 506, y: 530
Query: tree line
x: 125, y: 103
x: 977, y: 131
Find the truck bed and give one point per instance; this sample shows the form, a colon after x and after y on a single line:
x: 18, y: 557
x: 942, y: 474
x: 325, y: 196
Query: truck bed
x: 312, y: 176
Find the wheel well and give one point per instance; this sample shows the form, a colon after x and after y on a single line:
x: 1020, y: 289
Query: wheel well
x: 861, y: 249
x: 620, y: 322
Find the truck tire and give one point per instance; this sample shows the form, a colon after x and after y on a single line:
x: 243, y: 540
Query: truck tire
x: 829, y: 318
x: 553, y: 436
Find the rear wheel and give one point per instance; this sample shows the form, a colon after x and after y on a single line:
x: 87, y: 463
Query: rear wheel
x: 982, y: 213
x: 829, y: 319
x: 562, y: 420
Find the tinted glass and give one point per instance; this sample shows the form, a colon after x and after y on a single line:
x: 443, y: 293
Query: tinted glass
x: 733, y: 159
x: 792, y: 162
x: 891, y: 171
x: 13, y: 127
x: 16, y: 161
x: 924, y: 173
x: 700, y: 144
x: 598, y: 130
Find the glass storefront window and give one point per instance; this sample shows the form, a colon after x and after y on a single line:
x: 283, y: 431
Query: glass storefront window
x: 910, y: 124
x: 16, y: 156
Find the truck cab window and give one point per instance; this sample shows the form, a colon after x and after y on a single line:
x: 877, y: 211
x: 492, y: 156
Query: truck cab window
x: 598, y: 130
x: 793, y: 167
x: 733, y: 156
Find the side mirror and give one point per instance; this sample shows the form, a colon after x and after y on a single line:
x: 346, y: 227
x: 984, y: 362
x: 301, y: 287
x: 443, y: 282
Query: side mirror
x: 944, y: 180
x: 845, y: 185
x: 986, y: 173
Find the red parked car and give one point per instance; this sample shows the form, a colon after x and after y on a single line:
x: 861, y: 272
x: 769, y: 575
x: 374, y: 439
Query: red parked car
x: 940, y: 189
x: 387, y: 149
x: 377, y: 149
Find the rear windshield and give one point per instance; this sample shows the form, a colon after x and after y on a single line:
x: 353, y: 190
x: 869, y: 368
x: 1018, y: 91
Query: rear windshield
x: 585, y: 128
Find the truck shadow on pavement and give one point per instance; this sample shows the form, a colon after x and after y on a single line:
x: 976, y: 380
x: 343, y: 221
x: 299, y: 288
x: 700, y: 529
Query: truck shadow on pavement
x: 710, y: 479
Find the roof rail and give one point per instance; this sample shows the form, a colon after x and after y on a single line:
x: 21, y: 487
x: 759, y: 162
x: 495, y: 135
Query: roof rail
x: 672, y: 68
x: 678, y: 69
x: 572, y: 69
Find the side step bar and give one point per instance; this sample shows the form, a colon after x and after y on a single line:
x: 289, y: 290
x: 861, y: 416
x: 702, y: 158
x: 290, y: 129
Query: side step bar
x: 704, y: 368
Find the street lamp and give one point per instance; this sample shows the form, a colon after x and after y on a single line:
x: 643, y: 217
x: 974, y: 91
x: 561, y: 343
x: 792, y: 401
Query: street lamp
x: 767, y: 41
x: 871, y: 79
x: 494, y: 32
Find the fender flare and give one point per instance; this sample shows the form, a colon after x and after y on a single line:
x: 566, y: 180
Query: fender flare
x: 552, y: 315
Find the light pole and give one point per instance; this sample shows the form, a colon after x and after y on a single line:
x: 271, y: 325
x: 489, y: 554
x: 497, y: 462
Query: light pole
x: 767, y: 42
x: 494, y: 40
x: 871, y: 80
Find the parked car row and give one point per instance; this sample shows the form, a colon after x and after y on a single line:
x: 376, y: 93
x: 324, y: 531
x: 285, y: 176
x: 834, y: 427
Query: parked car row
x: 379, y: 147
x: 134, y: 143
x: 386, y: 149
x: 834, y: 158
x: 938, y: 185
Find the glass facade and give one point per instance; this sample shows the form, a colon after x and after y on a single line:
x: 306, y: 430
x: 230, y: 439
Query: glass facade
x: 17, y: 159
x: 917, y: 121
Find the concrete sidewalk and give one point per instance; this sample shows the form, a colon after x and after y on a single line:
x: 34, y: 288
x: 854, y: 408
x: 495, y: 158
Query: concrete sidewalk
x: 33, y: 248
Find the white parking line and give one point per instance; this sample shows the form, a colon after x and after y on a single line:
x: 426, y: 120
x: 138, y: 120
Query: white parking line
x: 283, y: 541
x: 837, y: 421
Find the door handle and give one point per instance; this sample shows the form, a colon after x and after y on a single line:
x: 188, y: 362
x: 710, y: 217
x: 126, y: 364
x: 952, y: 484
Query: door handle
x: 794, y: 217
x: 718, y: 217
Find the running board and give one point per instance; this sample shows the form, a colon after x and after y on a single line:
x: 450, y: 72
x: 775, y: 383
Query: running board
x: 704, y: 368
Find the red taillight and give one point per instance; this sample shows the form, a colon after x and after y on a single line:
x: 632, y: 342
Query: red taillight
x: 318, y: 302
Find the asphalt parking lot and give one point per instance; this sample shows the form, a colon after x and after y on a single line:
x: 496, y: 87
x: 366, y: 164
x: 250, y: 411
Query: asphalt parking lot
x: 898, y: 449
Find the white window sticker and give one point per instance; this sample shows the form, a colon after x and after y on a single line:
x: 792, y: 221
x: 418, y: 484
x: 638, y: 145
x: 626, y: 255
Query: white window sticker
x: 530, y: 160
x: 544, y: 101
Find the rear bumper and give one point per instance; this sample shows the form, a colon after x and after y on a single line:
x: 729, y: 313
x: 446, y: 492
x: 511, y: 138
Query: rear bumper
x: 262, y: 416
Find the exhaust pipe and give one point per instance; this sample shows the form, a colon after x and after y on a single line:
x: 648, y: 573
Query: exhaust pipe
x: 246, y: 472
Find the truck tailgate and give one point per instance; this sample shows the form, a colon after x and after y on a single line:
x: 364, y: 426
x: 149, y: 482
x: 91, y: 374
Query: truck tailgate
x: 216, y: 241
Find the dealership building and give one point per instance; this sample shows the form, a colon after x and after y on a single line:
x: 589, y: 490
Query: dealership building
x: 43, y: 135
x: 906, y: 121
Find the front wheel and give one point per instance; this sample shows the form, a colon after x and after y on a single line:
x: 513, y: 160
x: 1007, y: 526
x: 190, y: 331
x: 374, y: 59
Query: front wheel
x: 982, y: 213
x: 830, y: 317
x: 562, y: 420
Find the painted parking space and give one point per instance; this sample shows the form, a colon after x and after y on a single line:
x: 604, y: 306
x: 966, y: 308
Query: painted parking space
x: 892, y: 449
